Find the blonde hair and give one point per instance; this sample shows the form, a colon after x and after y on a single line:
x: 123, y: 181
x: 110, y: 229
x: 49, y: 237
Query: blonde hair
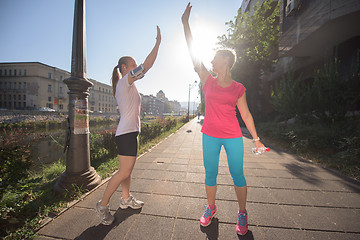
x: 230, y: 54
x: 117, y: 74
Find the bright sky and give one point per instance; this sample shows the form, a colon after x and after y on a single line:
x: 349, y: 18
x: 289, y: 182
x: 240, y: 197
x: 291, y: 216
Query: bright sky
x: 41, y: 31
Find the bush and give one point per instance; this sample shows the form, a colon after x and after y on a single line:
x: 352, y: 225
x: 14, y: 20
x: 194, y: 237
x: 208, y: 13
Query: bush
x: 336, y: 146
x: 15, y: 158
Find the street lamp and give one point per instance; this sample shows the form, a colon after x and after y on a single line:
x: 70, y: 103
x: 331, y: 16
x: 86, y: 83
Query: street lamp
x: 78, y: 170
x: 191, y: 85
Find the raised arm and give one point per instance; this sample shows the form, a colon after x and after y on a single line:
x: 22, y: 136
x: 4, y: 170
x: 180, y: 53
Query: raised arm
x: 198, y: 65
x: 150, y: 59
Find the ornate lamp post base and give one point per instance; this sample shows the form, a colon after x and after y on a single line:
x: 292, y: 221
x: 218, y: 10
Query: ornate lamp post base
x: 88, y: 180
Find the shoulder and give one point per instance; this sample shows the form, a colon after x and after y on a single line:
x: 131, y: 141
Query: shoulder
x: 209, y: 80
x: 239, y: 86
x: 240, y: 89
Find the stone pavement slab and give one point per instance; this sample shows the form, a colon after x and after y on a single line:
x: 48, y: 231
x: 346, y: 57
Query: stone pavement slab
x: 288, y: 198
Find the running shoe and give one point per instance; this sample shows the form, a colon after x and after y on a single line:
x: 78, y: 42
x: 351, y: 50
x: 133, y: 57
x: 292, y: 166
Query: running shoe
x: 205, y: 219
x: 241, y: 225
x: 131, y: 202
x: 104, y: 213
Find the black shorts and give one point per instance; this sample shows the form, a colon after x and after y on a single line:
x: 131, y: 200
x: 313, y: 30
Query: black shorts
x: 127, y: 144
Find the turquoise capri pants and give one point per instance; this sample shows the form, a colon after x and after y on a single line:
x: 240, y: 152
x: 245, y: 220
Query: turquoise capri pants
x: 234, y: 148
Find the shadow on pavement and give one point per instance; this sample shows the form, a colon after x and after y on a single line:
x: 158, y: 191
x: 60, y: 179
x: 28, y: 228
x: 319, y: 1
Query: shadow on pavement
x: 100, y: 231
x: 211, y: 231
x: 304, y: 173
x: 247, y: 236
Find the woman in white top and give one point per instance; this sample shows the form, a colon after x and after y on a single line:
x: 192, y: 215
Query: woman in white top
x: 129, y: 103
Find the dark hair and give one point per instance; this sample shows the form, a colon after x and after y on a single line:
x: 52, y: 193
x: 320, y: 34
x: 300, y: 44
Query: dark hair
x: 228, y: 53
x: 117, y: 74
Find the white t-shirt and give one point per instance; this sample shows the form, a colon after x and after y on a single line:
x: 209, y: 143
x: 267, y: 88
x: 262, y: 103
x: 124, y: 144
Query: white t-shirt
x: 129, y: 103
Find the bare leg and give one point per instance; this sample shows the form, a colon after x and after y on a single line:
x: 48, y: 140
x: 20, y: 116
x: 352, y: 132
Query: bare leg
x: 211, y: 194
x: 126, y: 166
x: 241, y: 194
x: 125, y: 188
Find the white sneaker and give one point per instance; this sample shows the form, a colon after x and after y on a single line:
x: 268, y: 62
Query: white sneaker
x: 104, y: 213
x: 131, y: 202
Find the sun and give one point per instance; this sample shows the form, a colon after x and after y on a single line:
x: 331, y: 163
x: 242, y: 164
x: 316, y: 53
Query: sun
x: 205, y: 39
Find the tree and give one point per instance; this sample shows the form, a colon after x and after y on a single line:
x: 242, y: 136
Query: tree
x: 255, y: 38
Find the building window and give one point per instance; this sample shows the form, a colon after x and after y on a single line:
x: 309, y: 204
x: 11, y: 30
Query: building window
x: 61, y: 77
x: 24, y: 72
x: 14, y: 97
x: 61, y: 106
x: 10, y: 72
x: 24, y: 85
x: 19, y: 97
x: 19, y: 85
x: 19, y: 72
x: 24, y: 103
x: 0, y: 72
x: 49, y: 75
x: 10, y: 85
x: 14, y: 72
x: 49, y: 88
x: 24, y: 97
x: 49, y: 99
x: 0, y: 85
x: 5, y: 72
x: 61, y: 90
x: 15, y: 85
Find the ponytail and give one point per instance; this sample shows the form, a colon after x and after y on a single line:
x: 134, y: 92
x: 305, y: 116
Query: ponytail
x: 117, y: 74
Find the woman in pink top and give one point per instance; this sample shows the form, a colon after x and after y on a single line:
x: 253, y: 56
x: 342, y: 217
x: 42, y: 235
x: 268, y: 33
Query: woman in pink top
x: 221, y: 128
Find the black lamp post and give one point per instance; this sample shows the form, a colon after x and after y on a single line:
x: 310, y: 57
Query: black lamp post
x: 78, y: 170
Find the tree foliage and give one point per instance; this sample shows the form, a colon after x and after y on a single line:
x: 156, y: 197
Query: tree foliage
x: 254, y: 37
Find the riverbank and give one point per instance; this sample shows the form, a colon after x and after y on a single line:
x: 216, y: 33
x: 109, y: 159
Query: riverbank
x: 39, y: 119
x: 17, y: 116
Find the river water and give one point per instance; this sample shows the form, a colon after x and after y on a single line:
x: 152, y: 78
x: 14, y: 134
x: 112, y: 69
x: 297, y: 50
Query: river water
x: 49, y: 147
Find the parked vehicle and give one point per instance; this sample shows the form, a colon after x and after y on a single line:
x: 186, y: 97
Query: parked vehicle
x: 46, y: 109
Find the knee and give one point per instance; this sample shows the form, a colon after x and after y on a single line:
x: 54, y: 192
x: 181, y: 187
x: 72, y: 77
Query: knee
x: 210, y: 178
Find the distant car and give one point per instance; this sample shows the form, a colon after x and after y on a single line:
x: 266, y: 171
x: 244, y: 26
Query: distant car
x: 46, y: 109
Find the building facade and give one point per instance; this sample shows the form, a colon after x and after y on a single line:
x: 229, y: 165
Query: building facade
x: 32, y: 85
x: 310, y: 31
x: 151, y: 105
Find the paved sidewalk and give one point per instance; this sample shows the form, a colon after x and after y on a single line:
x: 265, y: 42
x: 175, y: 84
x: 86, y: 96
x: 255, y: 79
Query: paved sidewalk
x: 288, y: 198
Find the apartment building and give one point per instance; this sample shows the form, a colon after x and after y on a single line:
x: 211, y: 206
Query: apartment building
x: 31, y: 85
x: 151, y: 105
x: 310, y: 31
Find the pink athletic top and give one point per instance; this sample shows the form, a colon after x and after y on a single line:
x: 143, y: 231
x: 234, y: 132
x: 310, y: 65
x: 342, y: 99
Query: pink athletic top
x: 220, y: 115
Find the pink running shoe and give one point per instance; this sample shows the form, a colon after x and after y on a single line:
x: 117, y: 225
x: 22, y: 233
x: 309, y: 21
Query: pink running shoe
x: 205, y: 220
x: 241, y: 225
